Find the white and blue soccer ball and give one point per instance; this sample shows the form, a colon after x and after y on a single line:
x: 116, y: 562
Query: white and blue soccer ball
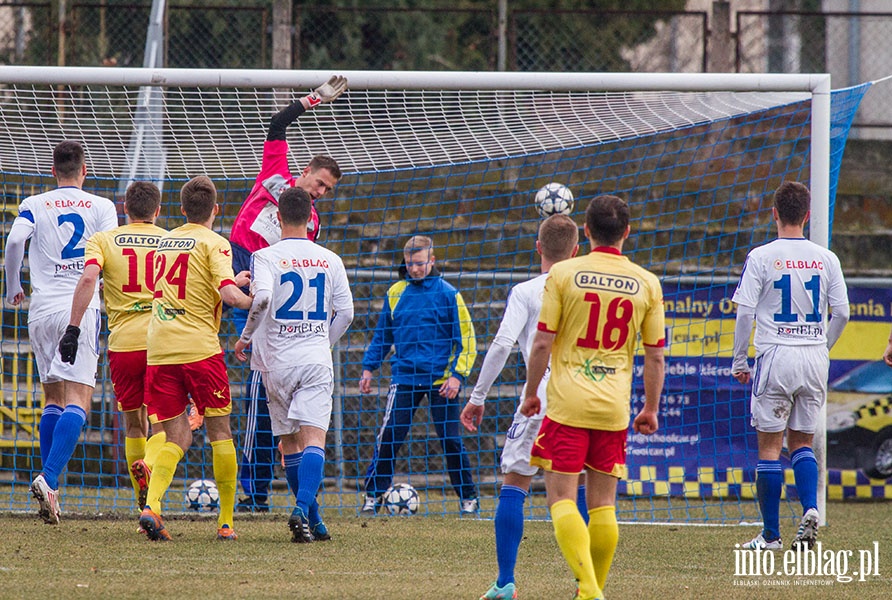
x: 202, y: 496
x: 401, y: 499
x: 554, y: 199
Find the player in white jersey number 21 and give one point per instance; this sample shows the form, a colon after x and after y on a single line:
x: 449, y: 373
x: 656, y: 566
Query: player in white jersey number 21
x: 302, y: 306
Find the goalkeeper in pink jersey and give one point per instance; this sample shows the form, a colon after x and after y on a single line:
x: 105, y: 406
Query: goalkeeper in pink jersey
x: 256, y: 226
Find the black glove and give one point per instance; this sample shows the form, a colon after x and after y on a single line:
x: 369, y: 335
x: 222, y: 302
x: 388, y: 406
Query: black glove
x: 68, y: 344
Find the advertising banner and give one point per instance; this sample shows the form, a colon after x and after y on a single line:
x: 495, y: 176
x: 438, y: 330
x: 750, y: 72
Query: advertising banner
x: 706, y: 446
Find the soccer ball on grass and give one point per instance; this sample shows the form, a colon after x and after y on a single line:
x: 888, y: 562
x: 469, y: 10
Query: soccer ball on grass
x: 401, y: 499
x: 202, y: 496
x: 554, y: 199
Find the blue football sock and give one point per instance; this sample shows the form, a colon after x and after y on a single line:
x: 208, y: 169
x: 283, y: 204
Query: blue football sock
x: 509, y: 531
x: 769, y: 483
x: 581, y: 503
x: 48, y: 420
x: 805, y: 468
x: 292, y: 467
x: 65, y: 436
x: 313, y: 514
x: 310, y: 476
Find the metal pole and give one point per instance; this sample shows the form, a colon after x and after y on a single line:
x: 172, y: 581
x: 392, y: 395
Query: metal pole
x: 502, y: 59
x: 819, y: 233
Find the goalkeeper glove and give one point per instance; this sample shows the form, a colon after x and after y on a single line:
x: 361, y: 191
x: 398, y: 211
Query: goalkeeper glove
x: 68, y: 344
x: 328, y: 91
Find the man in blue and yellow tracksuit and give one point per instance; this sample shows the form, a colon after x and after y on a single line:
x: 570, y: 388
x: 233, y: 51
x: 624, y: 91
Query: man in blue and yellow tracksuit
x: 425, y: 320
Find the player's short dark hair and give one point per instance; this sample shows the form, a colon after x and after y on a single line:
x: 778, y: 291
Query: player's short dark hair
x: 295, y: 206
x: 198, y: 197
x: 68, y: 159
x: 792, y: 201
x: 558, y: 237
x: 142, y: 199
x: 607, y: 218
x: 320, y: 161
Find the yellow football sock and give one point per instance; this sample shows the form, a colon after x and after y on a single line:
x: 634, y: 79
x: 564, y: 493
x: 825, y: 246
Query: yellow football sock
x: 134, y: 449
x: 162, y: 474
x: 153, y: 446
x: 604, y: 535
x: 225, y: 474
x: 572, y: 538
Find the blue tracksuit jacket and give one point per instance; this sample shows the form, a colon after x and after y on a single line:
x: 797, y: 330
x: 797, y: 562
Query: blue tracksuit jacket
x: 429, y: 327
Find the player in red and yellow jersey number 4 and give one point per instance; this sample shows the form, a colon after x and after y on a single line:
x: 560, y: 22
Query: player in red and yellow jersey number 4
x: 593, y: 310
x: 193, y: 277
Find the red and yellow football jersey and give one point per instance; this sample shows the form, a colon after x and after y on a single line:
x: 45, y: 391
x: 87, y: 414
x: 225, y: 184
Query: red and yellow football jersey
x: 597, y: 305
x: 192, y: 263
x: 126, y: 256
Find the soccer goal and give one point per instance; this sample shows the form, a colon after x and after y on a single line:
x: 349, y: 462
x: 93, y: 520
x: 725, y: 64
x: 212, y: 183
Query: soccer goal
x: 458, y: 157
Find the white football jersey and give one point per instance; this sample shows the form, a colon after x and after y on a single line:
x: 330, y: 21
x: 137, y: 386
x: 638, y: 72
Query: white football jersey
x: 519, y: 324
x: 59, y: 223
x: 791, y: 283
x: 308, y: 285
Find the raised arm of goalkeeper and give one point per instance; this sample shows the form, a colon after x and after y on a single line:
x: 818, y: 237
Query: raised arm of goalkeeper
x: 327, y: 92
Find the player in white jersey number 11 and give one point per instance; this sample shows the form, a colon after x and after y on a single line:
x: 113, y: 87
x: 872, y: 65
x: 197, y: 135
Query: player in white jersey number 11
x: 787, y: 287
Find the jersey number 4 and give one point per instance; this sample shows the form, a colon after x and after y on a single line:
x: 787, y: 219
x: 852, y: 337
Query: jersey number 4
x: 286, y: 311
x: 615, y: 331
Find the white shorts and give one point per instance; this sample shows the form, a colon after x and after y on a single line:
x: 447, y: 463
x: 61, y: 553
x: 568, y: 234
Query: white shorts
x: 299, y: 396
x: 45, y: 334
x: 789, y: 388
x: 519, y: 443
x: 522, y: 434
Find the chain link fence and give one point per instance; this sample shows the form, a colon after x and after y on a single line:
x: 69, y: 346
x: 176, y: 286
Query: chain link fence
x: 852, y: 46
x: 25, y: 33
x: 580, y: 41
x: 196, y: 36
x: 398, y: 39
x: 229, y: 35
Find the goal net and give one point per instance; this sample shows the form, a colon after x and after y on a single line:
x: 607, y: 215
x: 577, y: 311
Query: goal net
x: 457, y: 157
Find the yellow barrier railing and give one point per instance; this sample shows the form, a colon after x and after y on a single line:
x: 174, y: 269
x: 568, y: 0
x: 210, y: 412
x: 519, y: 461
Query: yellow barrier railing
x: 21, y: 399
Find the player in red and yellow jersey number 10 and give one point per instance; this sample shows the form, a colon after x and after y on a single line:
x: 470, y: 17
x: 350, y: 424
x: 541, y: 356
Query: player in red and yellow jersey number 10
x: 125, y: 258
x: 593, y: 310
x: 193, y: 277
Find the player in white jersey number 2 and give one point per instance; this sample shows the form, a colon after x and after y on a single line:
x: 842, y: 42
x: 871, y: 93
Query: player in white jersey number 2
x: 787, y: 286
x: 558, y: 240
x: 302, y: 306
x: 58, y: 223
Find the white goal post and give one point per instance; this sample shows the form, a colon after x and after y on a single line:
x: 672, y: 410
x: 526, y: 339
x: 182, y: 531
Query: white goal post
x: 524, y: 128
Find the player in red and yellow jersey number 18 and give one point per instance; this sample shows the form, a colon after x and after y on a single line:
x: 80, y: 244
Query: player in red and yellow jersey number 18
x: 593, y: 310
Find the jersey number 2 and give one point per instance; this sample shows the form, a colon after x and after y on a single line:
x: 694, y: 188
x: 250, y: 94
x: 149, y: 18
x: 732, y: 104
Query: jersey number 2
x: 71, y: 250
